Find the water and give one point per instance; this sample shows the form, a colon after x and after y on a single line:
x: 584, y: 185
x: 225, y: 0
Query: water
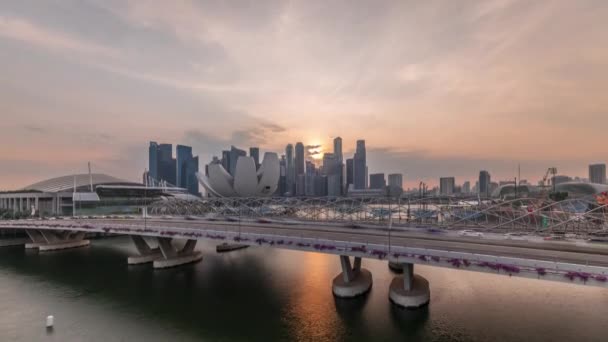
x: 264, y: 294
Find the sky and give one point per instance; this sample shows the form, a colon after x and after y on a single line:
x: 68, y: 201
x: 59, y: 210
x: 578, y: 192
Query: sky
x: 436, y: 88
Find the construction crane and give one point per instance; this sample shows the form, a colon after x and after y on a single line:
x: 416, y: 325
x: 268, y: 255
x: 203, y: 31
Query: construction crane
x: 550, y: 171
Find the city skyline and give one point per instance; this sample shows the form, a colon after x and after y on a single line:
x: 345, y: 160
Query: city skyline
x: 477, y: 92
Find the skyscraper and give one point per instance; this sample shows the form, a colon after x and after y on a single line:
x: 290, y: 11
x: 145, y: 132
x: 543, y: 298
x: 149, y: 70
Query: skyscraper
x: 395, y: 179
x: 187, y: 167
x: 235, y: 153
x: 377, y: 181
x: 597, y: 173
x: 350, y: 171
x: 447, y: 185
x: 360, y: 166
x: 153, y: 160
x: 484, y: 183
x: 338, y: 149
x: 340, y: 162
x: 299, y: 170
x: 299, y: 159
x: 254, y: 152
x: 226, y: 160
x: 282, y: 188
x: 332, y: 169
x: 290, y: 169
x: 183, y: 154
x: 166, y: 164
x: 466, y: 187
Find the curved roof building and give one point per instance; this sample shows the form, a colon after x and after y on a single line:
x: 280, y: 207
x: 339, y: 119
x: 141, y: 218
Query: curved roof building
x: 83, y: 181
x: 247, y: 181
x: 574, y: 189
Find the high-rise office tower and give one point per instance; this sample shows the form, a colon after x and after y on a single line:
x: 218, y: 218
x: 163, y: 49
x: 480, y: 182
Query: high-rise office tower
x: 226, y: 160
x: 290, y: 169
x: 466, y: 187
x: 235, y: 153
x: 153, y: 160
x: 350, y: 171
x: 447, y: 185
x: 299, y: 159
x: 377, y: 181
x: 166, y: 166
x: 597, y: 173
x: 183, y: 154
x: 311, y: 168
x: 282, y: 188
x: 254, y: 152
x: 340, y: 161
x: 299, y: 169
x: 187, y: 167
x: 484, y: 183
x: 332, y: 169
x: 360, y: 166
x: 338, y: 149
x: 395, y: 179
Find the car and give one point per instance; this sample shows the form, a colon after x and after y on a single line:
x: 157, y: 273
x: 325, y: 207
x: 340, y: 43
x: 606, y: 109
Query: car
x: 515, y: 235
x: 470, y: 233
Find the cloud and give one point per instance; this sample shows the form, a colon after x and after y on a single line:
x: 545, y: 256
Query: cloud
x: 25, y: 31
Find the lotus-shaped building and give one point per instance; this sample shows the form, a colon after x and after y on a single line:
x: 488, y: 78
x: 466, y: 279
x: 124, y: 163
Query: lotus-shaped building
x: 247, y: 181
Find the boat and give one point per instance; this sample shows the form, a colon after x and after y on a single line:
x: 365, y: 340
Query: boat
x: 228, y: 247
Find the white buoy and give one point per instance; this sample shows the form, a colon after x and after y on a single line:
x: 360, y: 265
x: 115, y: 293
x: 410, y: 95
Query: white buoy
x: 49, y: 321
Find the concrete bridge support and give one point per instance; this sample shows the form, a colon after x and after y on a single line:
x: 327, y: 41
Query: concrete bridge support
x: 172, y: 257
x: 46, y: 240
x: 146, y: 254
x: 353, y: 281
x: 409, y: 290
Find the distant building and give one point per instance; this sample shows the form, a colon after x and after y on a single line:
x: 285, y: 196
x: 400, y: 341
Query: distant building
x: 339, y: 162
x: 300, y: 165
x: 466, y: 187
x: 597, y: 173
x: 153, y: 160
x: 311, y: 168
x: 334, y: 185
x: 484, y: 183
x: 559, y: 179
x: 447, y: 185
x: 320, y: 185
x: 187, y: 167
x: 352, y: 192
x: 338, y: 149
x: 350, y: 172
x: 360, y: 166
x: 235, y: 153
x: 377, y: 181
x: 282, y: 188
x: 395, y: 179
x: 226, y: 160
x: 162, y: 166
x: 290, y: 169
x: 301, y: 185
x: 254, y: 152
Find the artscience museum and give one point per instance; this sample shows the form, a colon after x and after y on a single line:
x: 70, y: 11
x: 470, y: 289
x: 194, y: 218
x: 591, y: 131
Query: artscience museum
x: 247, y: 181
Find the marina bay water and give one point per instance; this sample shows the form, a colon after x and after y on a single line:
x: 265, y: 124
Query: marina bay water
x: 265, y: 294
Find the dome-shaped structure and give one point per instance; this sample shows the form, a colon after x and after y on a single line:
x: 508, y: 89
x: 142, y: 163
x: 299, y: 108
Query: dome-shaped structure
x: 246, y: 182
x: 82, y: 181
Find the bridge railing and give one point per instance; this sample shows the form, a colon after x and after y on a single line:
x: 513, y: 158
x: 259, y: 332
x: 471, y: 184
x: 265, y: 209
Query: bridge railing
x: 576, y: 215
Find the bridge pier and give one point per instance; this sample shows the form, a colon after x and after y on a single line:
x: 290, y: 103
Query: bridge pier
x: 146, y: 254
x: 47, y: 241
x: 409, y: 290
x: 353, y: 281
x: 395, y: 267
x: 172, y: 257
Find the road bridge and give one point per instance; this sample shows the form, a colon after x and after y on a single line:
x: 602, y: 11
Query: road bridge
x: 575, y: 261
